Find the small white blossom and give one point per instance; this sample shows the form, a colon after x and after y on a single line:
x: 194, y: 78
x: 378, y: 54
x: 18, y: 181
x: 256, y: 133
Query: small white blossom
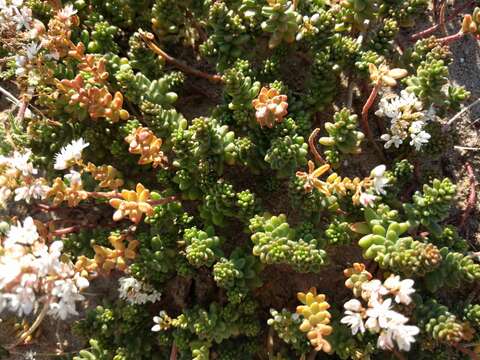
x: 404, y: 335
x: 21, y: 162
x: 379, y: 179
x: 67, y: 12
x: 354, y: 314
x: 373, y: 290
x: 420, y: 139
x: 67, y: 293
x: 381, y: 314
x: 394, y: 140
x: 136, y: 292
x: 23, y: 18
x: 25, y: 234
x: 367, y: 199
x: 32, y: 50
x: 36, y: 190
x: 74, y: 178
x: 402, y: 289
x: 69, y: 154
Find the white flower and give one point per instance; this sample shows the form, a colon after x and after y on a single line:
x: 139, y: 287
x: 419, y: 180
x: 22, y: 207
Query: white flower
x: 23, y: 300
x: 354, y: 315
x: 157, y: 327
x: 20, y: 62
x: 379, y: 179
x: 391, y: 140
x: 67, y: 12
x: 404, y: 335
x: 69, y: 154
x: 74, y: 178
x: 32, y: 50
x: 36, y: 190
x: 136, y: 292
x: 380, y: 315
x: 23, y: 18
x: 25, y: 234
x: 418, y: 140
x: 400, y: 288
x: 48, y: 258
x: 416, y: 127
x: 385, y: 339
x: 373, y: 290
x: 67, y: 293
x: 367, y: 199
x: 22, y: 163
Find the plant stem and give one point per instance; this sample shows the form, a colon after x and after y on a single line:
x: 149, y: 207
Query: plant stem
x: 173, y: 353
x: 424, y: 33
x: 148, y: 38
x: 451, y: 38
x: 365, y: 125
x: 313, y: 147
x: 34, y: 326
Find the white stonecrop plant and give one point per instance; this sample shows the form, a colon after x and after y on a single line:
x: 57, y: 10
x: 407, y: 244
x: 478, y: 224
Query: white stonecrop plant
x: 136, y: 292
x: 376, y: 314
x: 32, y: 273
x: 407, y: 120
x: 70, y: 154
x: 18, y: 178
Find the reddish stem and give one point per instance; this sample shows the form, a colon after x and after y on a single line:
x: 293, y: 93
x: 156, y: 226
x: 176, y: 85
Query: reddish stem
x: 365, y: 125
x: 313, y: 147
x: 451, y: 38
x: 398, y: 354
x: 424, y: 33
x: 173, y: 353
x: 472, y: 197
x: 148, y: 38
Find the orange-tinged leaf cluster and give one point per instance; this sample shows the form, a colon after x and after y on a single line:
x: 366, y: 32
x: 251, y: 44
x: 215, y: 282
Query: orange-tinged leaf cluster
x: 132, y: 204
x: 333, y: 183
x: 271, y: 107
x: 384, y: 76
x: 98, y: 102
x: 72, y: 194
x: 144, y: 142
x: 311, y: 178
x: 316, y: 319
x: 357, y: 275
x: 108, y: 176
x: 124, y: 249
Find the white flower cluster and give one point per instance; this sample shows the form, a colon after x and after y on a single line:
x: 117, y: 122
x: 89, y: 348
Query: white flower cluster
x: 379, y: 317
x: 137, y: 292
x: 407, y: 120
x: 13, y: 12
x: 17, y: 176
x: 32, y: 272
x: 379, y: 182
x: 69, y: 154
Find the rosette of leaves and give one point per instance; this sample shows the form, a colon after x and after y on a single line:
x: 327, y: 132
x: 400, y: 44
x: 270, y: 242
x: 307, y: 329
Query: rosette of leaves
x: 384, y: 244
x: 228, y: 37
x: 238, y: 274
x: 361, y: 10
x: 431, y: 206
x: 287, y: 154
x: 343, y: 136
x: 202, y: 247
x: 275, y: 242
x: 454, y: 270
x: 438, y: 323
x: 282, y: 21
